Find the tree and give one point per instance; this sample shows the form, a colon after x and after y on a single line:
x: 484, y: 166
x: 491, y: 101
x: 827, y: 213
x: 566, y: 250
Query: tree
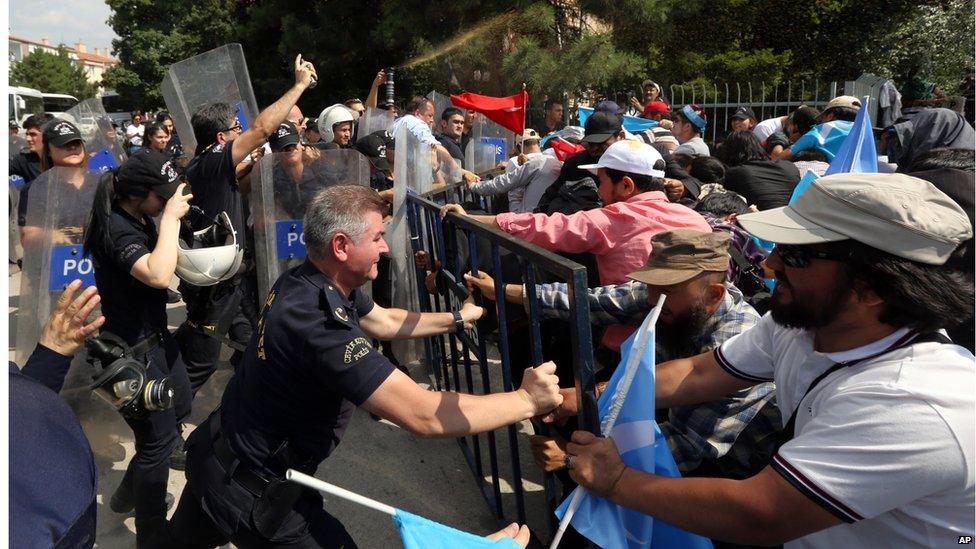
x: 52, y: 73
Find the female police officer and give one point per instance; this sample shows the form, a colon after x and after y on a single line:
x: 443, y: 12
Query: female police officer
x: 134, y: 263
x: 307, y: 367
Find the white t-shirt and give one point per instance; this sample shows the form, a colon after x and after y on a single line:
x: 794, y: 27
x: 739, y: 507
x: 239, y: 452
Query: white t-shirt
x: 768, y: 127
x: 886, y: 444
x: 134, y: 133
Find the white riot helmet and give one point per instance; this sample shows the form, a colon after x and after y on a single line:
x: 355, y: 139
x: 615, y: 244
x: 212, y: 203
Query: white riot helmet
x: 331, y: 116
x: 213, y: 254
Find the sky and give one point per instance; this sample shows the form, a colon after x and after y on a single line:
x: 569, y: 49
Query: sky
x: 66, y: 21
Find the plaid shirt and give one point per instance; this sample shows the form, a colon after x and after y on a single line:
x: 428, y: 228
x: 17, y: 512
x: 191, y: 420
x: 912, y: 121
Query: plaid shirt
x: 704, y: 432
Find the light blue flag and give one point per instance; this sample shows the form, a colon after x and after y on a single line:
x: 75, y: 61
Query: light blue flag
x: 642, y: 447
x: 857, y: 154
x: 633, y: 124
x: 802, y: 185
x: 420, y: 533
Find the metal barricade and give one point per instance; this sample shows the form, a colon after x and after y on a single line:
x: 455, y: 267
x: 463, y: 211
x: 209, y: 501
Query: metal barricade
x: 456, y: 361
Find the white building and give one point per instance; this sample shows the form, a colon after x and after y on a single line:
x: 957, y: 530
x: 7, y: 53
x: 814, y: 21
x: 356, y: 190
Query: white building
x: 94, y: 63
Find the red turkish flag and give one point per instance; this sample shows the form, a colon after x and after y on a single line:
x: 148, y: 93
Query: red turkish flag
x: 564, y: 149
x: 507, y: 112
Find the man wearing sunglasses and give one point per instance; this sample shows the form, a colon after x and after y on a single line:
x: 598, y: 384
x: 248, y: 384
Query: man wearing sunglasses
x: 877, y: 450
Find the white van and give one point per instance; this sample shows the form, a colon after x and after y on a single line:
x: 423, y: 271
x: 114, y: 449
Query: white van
x: 23, y: 102
x: 58, y: 103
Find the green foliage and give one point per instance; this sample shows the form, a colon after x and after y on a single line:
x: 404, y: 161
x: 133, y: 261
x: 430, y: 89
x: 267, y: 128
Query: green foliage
x: 52, y: 73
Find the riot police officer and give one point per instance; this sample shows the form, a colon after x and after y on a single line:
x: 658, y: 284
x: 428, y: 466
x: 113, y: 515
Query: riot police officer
x: 222, y: 144
x: 134, y: 263
x: 309, y: 364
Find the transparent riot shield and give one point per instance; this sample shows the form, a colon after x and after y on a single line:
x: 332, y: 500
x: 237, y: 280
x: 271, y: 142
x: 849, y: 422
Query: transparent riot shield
x: 16, y: 182
x: 57, y: 215
x: 489, y: 145
x: 105, y: 150
x: 17, y: 144
x: 374, y: 120
x: 441, y: 102
x: 285, y: 183
x: 219, y: 75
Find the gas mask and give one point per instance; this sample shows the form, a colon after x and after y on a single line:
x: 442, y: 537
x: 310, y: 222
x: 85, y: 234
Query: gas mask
x: 123, y: 381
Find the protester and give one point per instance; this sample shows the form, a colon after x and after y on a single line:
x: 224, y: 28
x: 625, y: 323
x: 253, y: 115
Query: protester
x: 878, y: 448
x: 222, y: 144
x: 743, y: 119
x: 553, y: 118
x: 654, y: 103
x: 53, y: 478
x: 689, y: 125
x: 798, y: 123
x: 418, y: 121
x: 134, y: 264
x: 27, y: 162
x: 526, y: 147
x: 525, y: 184
x: 929, y: 129
x: 289, y: 405
x: 833, y: 126
x: 763, y: 182
x: 618, y: 234
x: 134, y: 133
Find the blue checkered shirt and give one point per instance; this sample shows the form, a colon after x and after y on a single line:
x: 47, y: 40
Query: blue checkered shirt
x: 704, y: 432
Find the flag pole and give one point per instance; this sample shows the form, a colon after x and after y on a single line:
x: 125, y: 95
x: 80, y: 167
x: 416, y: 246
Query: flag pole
x: 525, y: 107
x: 633, y: 359
x: 334, y: 490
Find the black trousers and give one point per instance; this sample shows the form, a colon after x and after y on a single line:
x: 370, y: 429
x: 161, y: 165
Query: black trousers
x: 210, y: 313
x: 214, y: 510
x: 156, y: 437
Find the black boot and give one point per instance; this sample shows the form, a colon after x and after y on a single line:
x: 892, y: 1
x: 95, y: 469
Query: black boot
x: 177, y: 460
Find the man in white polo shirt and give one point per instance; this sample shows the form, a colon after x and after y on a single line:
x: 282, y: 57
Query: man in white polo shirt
x: 880, y: 453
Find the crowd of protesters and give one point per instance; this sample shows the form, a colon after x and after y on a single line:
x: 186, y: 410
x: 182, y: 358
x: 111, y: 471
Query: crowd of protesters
x: 815, y: 371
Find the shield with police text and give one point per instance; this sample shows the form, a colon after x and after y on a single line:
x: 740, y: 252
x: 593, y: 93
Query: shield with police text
x: 489, y: 144
x: 57, y: 216
x: 102, y: 143
x: 374, y: 120
x: 217, y: 76
x: 283, y: 185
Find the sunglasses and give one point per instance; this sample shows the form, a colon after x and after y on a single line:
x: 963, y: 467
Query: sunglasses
x: 798, y: 257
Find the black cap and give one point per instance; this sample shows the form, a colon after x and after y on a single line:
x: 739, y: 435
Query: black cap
x: 312, y: 125
x: 287, y: 134
x: 744, y: 113
x: 14, y: 125
x: 148, y: 169
x: 609, y: 106
x: 374, y: 146
x: 59, y: 133
x: 601, y: 126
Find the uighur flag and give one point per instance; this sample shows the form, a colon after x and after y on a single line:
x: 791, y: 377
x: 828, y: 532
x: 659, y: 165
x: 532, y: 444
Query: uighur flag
x: 508, y: 112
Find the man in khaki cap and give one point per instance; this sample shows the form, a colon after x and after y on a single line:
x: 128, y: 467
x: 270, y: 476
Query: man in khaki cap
x: 878, y: 405
x: 702, y: 311
x: 833, y: 126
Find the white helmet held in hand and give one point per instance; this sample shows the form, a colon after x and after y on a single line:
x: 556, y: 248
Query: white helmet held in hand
x: 212, y: 256
x: 331, y: 116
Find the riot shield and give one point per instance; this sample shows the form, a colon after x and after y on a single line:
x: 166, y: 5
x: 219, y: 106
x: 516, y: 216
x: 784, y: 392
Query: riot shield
x: 105, y: 150
x: 441, y: 102
x: 373, y: 120
x: 284, y: 185
x: 489, y: 145
x: 57, y: 215
x: 17, y: 144
x: 16, y: 182
x: 219, y: 75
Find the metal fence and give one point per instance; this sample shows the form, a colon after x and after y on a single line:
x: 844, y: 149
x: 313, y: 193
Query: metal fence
x: 460, y: 362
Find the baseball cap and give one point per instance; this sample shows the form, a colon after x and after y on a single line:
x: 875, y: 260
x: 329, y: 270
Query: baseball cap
x: 744, y: 113
x: 630, y: 156
x: 608, y: 106
x: 682, y: 254
x: 374, y: 146
x: 696, y: 115
x: 905, y: 216
x: 601, y: 126
x: 656, y: 107
x: 848, y: 101
x: 59, y: 133
x: 529, y: 134
x: 573, y: 134
x: 285, y: 135
x: 149, y: 169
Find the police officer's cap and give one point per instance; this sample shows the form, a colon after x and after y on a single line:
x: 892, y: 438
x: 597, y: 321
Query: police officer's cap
x: 61, y: 132
x: 145, y: 170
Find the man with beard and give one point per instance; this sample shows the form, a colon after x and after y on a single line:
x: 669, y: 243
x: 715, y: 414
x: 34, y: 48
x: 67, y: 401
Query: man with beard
x: 702, y: 311
x: 880, y: 403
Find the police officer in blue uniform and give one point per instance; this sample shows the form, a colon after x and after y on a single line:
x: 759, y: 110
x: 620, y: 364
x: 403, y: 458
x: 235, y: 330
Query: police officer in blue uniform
x: 222, y: 144
x: 308, y: 365
x: 53, y: 479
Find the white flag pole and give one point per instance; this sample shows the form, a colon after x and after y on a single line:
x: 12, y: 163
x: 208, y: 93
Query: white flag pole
x: 334, y: 490
x: 636, y: 352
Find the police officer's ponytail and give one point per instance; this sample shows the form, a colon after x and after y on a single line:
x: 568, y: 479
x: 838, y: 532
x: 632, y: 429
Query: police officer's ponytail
x: 98, y: 241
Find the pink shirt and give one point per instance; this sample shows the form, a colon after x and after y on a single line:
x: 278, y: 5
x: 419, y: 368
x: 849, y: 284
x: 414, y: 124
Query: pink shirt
x: 619, y: 235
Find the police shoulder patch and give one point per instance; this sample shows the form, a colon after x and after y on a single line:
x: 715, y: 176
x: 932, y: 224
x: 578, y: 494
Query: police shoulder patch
x: 356, y: 349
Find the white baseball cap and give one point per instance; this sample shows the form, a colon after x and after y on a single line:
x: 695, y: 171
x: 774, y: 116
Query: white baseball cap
x: 629, y: 156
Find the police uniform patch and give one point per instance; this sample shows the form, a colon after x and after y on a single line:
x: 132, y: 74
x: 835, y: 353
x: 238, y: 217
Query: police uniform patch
x: 356, y: 349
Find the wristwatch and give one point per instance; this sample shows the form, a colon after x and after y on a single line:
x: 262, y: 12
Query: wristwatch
x: 458, y: 322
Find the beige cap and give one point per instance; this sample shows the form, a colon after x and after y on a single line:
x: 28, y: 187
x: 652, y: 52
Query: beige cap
x: 896, y: 213
x: 848, y: 101
x: 529, y: 134
x: 682, y: 254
